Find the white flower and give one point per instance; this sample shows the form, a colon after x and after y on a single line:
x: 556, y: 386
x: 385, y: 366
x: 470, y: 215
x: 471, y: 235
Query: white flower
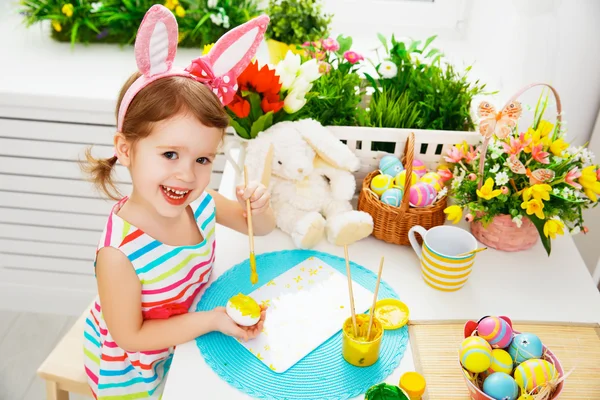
x: 288, y: 69
x: 301, y: 86
x: 388, y: 69
x: 495, y: 168
x: 212, y: 3
x: 216, y: 19
x: 518, y: 220
x: 501, y: 178
x: 442, y: 193
x: 567, y: 192
x: 309, y: 70
x: 587, y: 158
x: 575, y: 230
x: 96, y: 6
x: 294, y: 101
x: 225, y: 21
x: 556, y: 191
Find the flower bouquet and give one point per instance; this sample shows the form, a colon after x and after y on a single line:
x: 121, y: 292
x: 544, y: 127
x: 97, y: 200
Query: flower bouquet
x: 266, y: 96
x: 521, y: 181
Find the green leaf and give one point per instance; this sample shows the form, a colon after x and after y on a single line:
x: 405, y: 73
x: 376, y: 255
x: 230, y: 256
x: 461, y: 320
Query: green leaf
x: 414, y: 45
x: 383, y: 41
x: 238, y: 128
x: 539, y: 224
x: 345, y: 44
x: 262, y: 123
x: 74, y: 34
x: 432, y: 52
x: 428, y: 42
x: 255, y: 110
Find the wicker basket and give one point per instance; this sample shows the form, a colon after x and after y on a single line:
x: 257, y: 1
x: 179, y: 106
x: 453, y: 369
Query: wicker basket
x: 391, y: 224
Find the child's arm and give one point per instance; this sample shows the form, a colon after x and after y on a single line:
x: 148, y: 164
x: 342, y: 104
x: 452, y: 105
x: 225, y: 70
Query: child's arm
x: 232, y: 214
x: 120, y: 289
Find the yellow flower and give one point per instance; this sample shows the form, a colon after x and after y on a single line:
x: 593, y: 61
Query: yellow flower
x: 534, y: 207
x: 67, y: 9
x: 540, y: 135
x: 171, y: 4
x: 180, y: 11
x: 552, y: 227
x: 207, y: 48
x: 454, y: 213
x: 558, y: 146
x: 545, y: 127
x: 541, y: 191
x: 589, y: 181
x: 56, y: 25
x: 486, y: 191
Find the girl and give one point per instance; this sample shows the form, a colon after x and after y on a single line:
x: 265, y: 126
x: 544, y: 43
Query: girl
x: 158, y: 247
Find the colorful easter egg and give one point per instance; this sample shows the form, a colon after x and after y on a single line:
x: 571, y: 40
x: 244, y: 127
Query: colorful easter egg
x: 525, y: 346
x: 496, y: 331
x: 419, y: 168
x: 381, y: 183
x: 475, y: 354
x: 501, y: 362
x: 390, y: 165
x: 400, y: 179
x: 422, y: 194
x: 532, y: 375
x: 434, y: 179
x: 501, y: 386
x: 392, y: 196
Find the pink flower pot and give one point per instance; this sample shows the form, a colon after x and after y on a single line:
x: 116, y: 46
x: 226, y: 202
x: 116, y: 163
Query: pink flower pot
x: 503, y: 234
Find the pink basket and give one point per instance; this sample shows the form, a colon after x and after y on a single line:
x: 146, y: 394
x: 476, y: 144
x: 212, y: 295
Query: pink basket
x: 477, y: 394
x: 503, y: 234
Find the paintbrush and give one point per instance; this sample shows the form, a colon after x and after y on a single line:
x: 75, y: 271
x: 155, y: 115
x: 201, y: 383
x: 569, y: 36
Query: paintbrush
x: 253, y: 274
x: 472, y: 252
x: 375, y: 299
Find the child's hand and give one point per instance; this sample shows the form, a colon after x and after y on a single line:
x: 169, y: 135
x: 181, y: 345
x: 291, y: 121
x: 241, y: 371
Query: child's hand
x: 227, y: 326
x: 257, y: 193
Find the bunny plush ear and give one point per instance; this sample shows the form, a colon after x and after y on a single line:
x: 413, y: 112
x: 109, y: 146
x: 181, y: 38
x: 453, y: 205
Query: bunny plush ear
x: 156, y: 41
x: 259, y: 158
x: 232, y: 53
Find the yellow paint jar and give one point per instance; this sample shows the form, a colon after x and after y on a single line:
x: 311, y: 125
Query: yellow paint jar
x: 359, y: 350
x: 413, y: 384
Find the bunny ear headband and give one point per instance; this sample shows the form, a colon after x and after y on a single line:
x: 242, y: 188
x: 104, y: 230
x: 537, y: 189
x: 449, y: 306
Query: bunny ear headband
x: 156, y: 46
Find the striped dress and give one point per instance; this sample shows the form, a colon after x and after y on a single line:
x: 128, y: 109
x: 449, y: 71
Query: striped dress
x: 171, y: 277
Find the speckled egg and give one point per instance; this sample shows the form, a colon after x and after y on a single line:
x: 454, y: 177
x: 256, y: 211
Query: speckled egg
x: 392, y: 196
x: 525, y: 346
x: 496, y: 331
x: 475, y: 354
x: 434, y: 179
x: 243, y: 310
x: 501, y: 386
x: 390, y: 165
x: 534, y: 373
x: 501, y: 362
x: 381, y: 183
x: 422, y: 194
x: 419, y: 168
x: 400, y: 179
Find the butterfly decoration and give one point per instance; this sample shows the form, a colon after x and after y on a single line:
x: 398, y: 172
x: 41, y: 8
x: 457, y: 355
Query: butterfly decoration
x: 500, y: 123
x: 541, y: 175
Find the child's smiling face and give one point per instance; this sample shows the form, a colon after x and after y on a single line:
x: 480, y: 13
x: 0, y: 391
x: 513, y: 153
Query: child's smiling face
x: 172, y: 166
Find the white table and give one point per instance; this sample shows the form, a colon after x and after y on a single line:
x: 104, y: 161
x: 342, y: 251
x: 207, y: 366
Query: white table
x: 526, y: 286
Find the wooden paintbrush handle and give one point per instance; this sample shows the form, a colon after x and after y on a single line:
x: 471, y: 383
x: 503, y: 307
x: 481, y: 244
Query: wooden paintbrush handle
x: 249, y: 213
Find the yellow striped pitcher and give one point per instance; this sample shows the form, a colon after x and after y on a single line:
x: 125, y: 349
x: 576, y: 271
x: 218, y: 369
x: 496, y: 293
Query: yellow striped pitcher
x: 440, y: 266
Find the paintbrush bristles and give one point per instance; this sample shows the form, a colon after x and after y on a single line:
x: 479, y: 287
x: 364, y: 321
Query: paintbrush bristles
x: 375, y: 298
x: 253, y: 274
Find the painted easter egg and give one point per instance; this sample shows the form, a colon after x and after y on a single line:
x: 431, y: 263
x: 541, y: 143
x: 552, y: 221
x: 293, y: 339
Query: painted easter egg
x: 243, y: 310
x: 392, y: 196
x: 422, y: 194
x: 390, y: 165
x: 434, y: 179
x: 400, y: 179
x: 501, y: 362
x: 381, y: 183
x: 532, y: 375
x: 525, y: 346
x: 496, y: 331
x: 475, y: 354
x: 501, y: 386
x: 419, y: 168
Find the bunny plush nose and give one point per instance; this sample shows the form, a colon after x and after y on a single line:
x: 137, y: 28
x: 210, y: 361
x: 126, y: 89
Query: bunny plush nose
x: 300, y: 170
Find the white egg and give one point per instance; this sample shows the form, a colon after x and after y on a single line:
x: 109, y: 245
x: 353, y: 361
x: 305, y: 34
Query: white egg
x: 243, y: 310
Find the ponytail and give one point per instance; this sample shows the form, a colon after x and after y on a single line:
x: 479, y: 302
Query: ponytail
x: 100, y: 171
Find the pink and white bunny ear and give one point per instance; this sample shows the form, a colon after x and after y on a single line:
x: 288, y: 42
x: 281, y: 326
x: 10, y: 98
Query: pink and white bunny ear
x: 233, y: 51
x: 156, y: 41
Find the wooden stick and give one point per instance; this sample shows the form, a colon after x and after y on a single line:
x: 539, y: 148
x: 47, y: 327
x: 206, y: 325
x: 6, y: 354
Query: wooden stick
x: 253, y: 274
x: 350, y: 290
x: 375, y: 298
x: 471, y: 252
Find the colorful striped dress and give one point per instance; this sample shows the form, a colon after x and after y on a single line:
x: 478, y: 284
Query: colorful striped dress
x: 171, y: 277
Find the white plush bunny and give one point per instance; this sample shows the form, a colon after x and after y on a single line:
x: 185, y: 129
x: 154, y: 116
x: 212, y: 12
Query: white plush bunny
x: 309, y: 173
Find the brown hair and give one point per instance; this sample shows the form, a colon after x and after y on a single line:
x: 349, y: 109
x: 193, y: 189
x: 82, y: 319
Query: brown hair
x: 158, y: 101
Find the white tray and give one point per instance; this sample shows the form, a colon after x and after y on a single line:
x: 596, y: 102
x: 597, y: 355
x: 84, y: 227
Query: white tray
x: 307, y: 305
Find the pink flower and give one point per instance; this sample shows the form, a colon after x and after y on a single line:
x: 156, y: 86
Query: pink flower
x: 571, y: 176
x: 516, y: 145
x: 504, y: 190
x: 471, y: 154
x: 353, y: 57
x: 469, y: 218
x: 444, y: 173
x: 598, y: 174
x: 330, y: 44
x: 454, y: 155
x: 472, y: 176
x: 539, y: 155
x: 324, y: 68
